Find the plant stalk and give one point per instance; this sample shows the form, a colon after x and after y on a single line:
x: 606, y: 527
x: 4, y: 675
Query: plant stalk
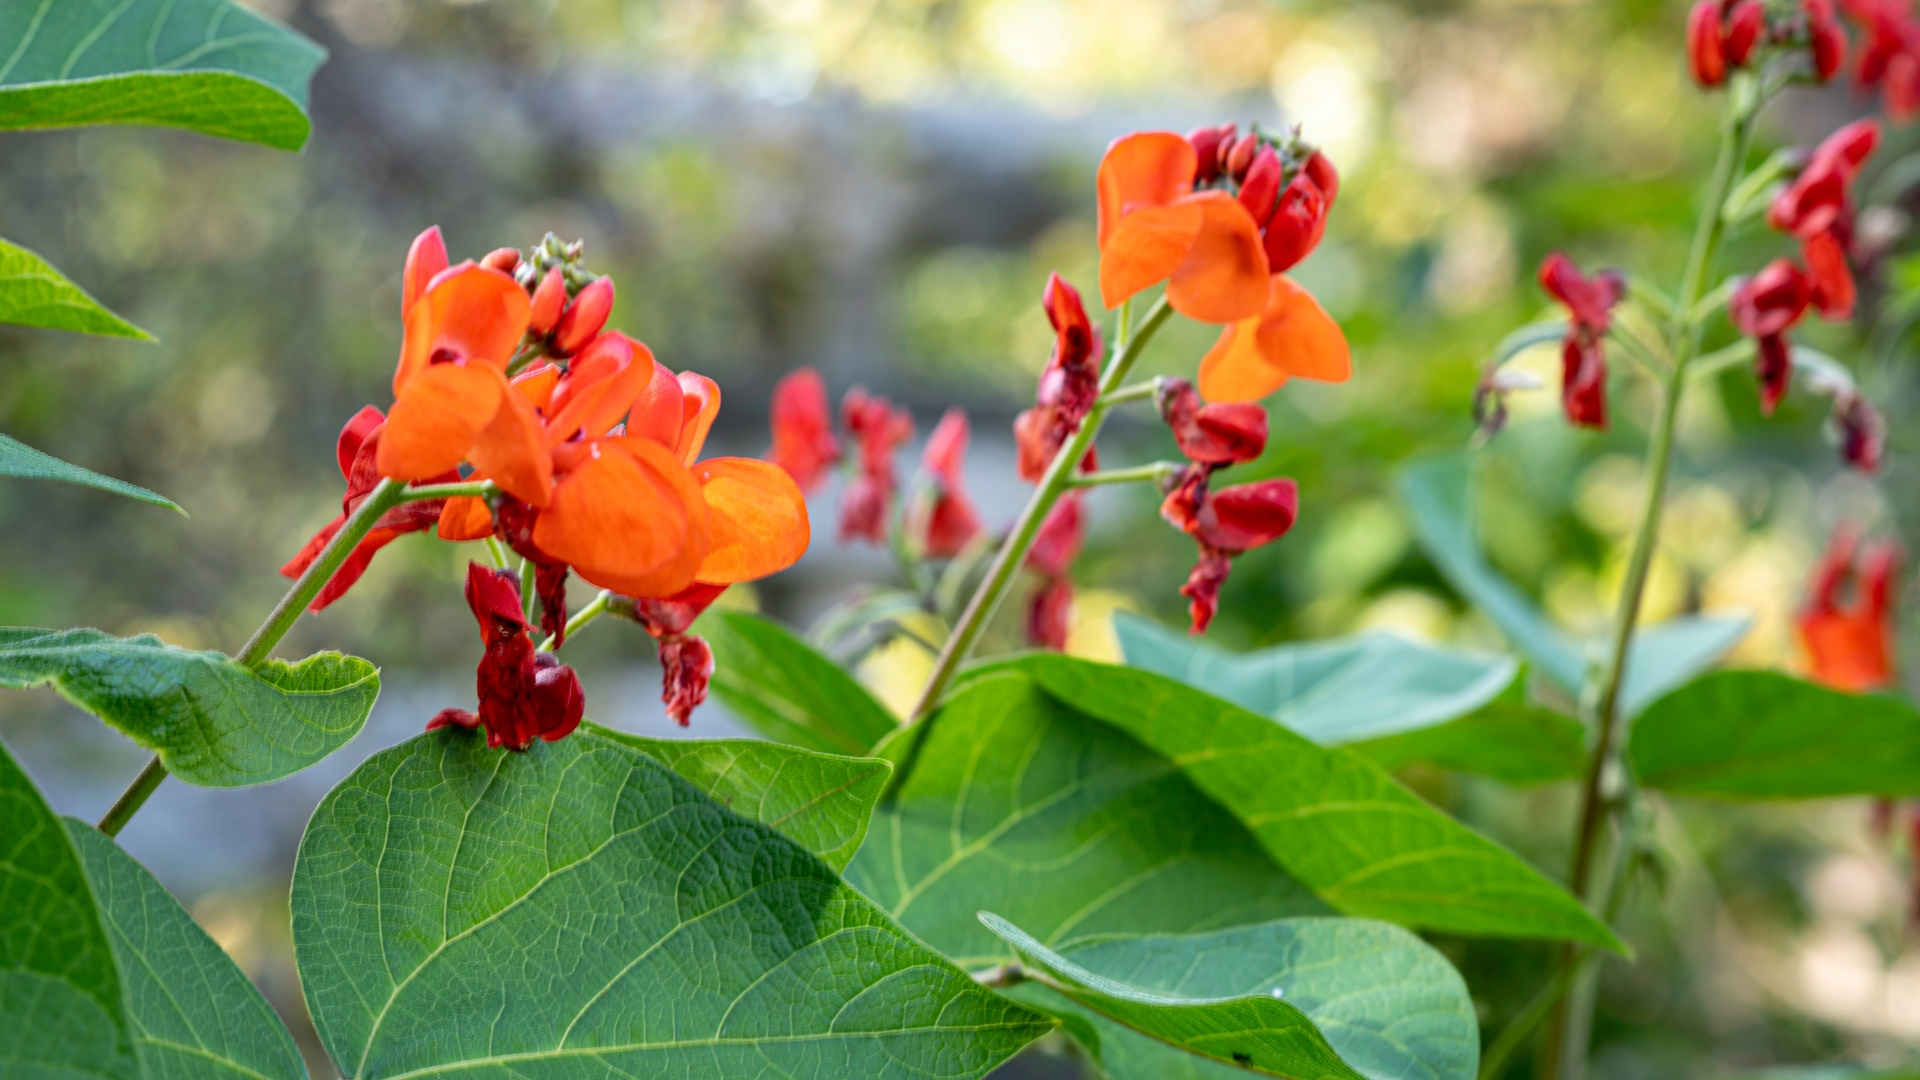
x: 1138, y: 474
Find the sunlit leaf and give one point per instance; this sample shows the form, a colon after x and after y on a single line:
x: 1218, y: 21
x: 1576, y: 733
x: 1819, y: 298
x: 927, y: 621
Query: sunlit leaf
x: 33, y: 293
x: 1509, y: 738
x: 213, y: 722
x: 792, y: 694
x: 19, y: 459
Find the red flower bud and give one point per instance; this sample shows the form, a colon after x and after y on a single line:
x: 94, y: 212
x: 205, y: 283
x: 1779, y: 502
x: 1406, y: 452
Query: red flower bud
x: 1704, y: 50
x: 1764, y: 306
x: 1829, y: 276
x: 1058, y: 542
x: 1261, y: 189
x: 1583, y: 360
x: 1240, y: 158
x: 1206, y: 143
x: 1202, y: 588
x: 549, y: 300
x: 1583, y: 382
x: 1297, y: 224
x: 1050, y: 615
x: 584, y: 317
x: 1817, y: 199
x: 949, y: 522
x: 505, y: 260
x: 427, y: 257
x: 1320, y: 170
x: 1216, y: 434
x: 686, y: 665
x: 523, y: 694
x: 1745, y: 24
x: 1825, y: 39
x: 1860, y: 431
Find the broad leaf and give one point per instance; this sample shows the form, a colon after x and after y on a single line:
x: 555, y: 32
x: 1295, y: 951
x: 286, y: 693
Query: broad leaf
x: 792, y: 694
x: 213, y: 722
x: 1509, y: 739
x: 1336, y: 821
x: 1297, y: 998
x: 581, y: 910
x: 1333, y: 692
x: 823, y: 801
x: 1015, y: 803
x: 205, y: 65
x: 103, y: 974
x: 1760, y: 735
x: 1668, y: 655
x: 33, y: 293
x: 19, y: 459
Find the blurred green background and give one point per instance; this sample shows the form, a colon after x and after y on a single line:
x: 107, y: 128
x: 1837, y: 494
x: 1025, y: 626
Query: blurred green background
x: 879, y: 189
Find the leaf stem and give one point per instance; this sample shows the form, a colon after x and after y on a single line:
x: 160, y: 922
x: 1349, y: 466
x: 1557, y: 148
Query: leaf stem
x: 132, y: 799
x: 594, y: 609
x: 1155, y: 473
x: 980, y: 609
x: 1133, y: 392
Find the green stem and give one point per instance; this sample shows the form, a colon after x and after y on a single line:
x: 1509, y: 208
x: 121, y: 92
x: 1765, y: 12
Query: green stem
x: 497, y: 551
x: 131, y: 800
x: 1134, y: 392
x: 529, y: 586
x: 1139, y: 474
x: 594, y: 609
x: 477, y: 489
x: 1013, y: 553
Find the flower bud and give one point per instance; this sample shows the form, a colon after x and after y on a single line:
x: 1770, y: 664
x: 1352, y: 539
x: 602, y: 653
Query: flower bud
x: 1320, y: 170
x: 1705, y: 55
x: 427, y: 257
x: 1860, y: 431
x: 583, y: 318
x: 1825, y: 40
x: 1298, y: 222
x: 1206, y: 143
x: 1240, y: 158
x: 549, y: 300
x: 505, y: 260
x: 1745, y: 25
x: 1261, y: 189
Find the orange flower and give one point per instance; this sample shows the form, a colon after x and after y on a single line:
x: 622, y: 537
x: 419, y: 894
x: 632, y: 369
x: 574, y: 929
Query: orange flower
x: 1154, y: 227
x: 1851, y: 647
x: 1294, y: 336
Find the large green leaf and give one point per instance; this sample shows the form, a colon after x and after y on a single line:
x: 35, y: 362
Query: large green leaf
x: 103, y: 974
x: 792, y: 694
x: 1336, y: 821
x: 1760, y: 735
x: 19, y: 459
x: 1297, y: 998
x: 33, y: 293
x: 823, y: 801
x: 205, y: 65
x: 1668, y: 655
x: 1333, y: 692
x: 213, y: 722
x: 580, y: 910
x: 1508, y: 738
x: 1013, y: 802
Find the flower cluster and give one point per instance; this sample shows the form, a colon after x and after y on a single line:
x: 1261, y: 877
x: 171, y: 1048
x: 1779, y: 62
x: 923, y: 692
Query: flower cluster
x: 1890, y: 55
x: 1726, y: 35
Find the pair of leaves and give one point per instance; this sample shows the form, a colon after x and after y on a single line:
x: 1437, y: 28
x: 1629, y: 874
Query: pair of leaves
x: 1392, y: 700
x: 103, y: 974
x: 213, y: 722
x: 786, y: 690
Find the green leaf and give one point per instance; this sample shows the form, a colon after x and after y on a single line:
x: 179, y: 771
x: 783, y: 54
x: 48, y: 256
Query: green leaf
x: 790, y: 693
x: 33, y: 293
x: 1298, y: 998
x: 1509, y: 739
x: 1668, y: 655
x: 103, y: 974
x: 1336, y: 821
x: 213, y: 722
x: 581, y: 910
x: 1760, y: 735
x: 1333, y: 692
x: 1014, y: 802
x: 205, y: 65
x: 19, y: 459
x: 822, y: 801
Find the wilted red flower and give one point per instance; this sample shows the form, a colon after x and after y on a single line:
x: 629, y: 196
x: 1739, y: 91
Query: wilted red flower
x: 1860, y: 430
x: 1068, y: 384
x: 523, y: 693
x: 1223, y: 524
x: 1849, y: 642
x: 946, y: 521
x: 1583, y: 360
x: 1765, y: 306
x: 1890, y: 57
x: 1055, y: 546
x: 1817, y: 208
x: 686, y: 662
x: 878, y: 429
x: 1223, y: 433
x: 803, y: 442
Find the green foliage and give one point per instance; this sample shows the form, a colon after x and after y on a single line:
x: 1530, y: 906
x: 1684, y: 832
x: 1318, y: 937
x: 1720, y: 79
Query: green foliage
x: 1509, y: 738
x: 33, y: 293
x: 1761, y: 735
x: 1336, y: 821
x: 103, y: 974
x: 791, y: 693
x: 1297, y: 997
x: 1010, y: 801
x: 581, y: 910
x: 213, y: 722
x: 19, y: 459
x: 205, y: 65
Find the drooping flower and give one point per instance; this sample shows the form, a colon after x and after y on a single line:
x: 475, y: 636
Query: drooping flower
x: 1859, y: 430
x: 1818, y: 209
x: 1583, y: 360
x: 1068, y: 384
x: 524, y: 694
x: 1223, y: 524
x: 356, y: 450
x: 686, y: 661
x: 1848, y: 639
x: 1764, y: 307
x: 803, y: 442
x: 878, y: 429
x: 945, y: 521
x: 1221, y: 433
x: 1055, y: 546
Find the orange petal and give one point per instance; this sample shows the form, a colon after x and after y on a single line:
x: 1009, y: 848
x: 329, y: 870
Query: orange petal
x: 601, y: 384
x: 466, y: 519
x: 660, y: 409
x: 435, y: 421
x: 700, y: 406
x: 629, y: 518
x: 512, y: 451
x: 536, y: 384
x: 471, y: 314
x: 1294, y: 336
x: 757, y: 520
x: 1149, y: 168
x: 1234, y: 370
x: 1147, y: 247
x: 426, y: 258
x: 1224, y: 277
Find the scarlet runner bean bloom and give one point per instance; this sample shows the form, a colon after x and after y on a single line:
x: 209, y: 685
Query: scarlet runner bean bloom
x: 1890, y: 56
x: 686, y: 661
x: 523, y: 694
x: 1817, y: 209
x: 1764, y: 307
x: 1068, y: 384
x: 877, y: 429
x: 1055, y: 546
x: 1725, y: 35
x: 1583, y: 360
x: 945, y: 521
x: 1849, y: 643
x: 1223, y: 524
x: 1223, y: 433
x: 803, y: 442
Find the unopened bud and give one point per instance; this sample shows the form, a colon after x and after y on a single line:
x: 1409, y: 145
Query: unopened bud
x: 1240, y: 158
x: 1744, y: 26
x: 505, y: 260
x: 1261, y: 188
x: 583, y: 318
x: 549, y: 300
x: 1206, y: 143
x: 1320, y: 170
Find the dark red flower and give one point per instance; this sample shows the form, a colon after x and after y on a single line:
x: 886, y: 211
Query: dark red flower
x: 1764, y: 307
x: 356, y: 449
x: 1583, y: 360
x: 1223, y: 433
x: 1826, y: 41
x: 1223, y: 524
x: 1068, y: 384
x: 1055, y: 546
x: 1207, y: 145
x: 1706, y: 53
x: 1890, y: 56
x: 524, y: 694
x: 877, y: 429
x: 686, y: 662
x: 1860, y: 430
x: 1818, y: 209
x: 946, y: 521
x: 803, y: 442
x: 1849, y: 642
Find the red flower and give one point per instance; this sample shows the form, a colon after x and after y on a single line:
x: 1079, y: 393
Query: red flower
x: 803, y: 442
x: 878, y: 429
x: 1890, y: 58
x: 1721, y: 35
x: 1764, y: 306
x: 1583, y: 358
x: 1860, y: 430
x: 1223, y: 433
x: 1851, y: 647
x: 686, y: 662
x: 523, y: 694
x: 1068, y: 384
x: 1055, y: 546
x: 1817, y: 209
x: 1225, y: 523
x: 1826, y: 41
x: 357, y: 449
x: 947, y: 521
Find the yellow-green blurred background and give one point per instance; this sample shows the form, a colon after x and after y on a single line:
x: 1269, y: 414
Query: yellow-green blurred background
x: 879, y: 189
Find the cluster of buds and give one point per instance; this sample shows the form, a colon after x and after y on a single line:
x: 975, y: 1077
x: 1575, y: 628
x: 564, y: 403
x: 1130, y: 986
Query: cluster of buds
x: 1583, y: 360
x: 1286, y: 186
x: 1890, y: 55
x: 524, y: 694
x: 570, y: 304
x: 1726, y: 35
